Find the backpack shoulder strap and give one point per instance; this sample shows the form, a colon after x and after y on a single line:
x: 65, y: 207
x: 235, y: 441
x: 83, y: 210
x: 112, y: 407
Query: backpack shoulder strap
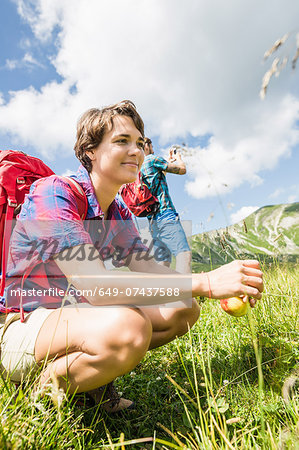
x: 79, y: 191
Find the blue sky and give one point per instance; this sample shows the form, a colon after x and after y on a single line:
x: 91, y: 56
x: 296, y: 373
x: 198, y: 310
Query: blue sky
x: 193, y: 70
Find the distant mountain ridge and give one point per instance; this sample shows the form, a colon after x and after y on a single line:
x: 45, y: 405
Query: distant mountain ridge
x: 270, y: 233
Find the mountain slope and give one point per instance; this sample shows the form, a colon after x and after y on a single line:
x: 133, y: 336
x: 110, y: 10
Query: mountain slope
x: 270, y: 233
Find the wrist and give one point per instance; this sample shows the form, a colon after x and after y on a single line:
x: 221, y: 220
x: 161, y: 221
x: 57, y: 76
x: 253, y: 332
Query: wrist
x: 201, y: 285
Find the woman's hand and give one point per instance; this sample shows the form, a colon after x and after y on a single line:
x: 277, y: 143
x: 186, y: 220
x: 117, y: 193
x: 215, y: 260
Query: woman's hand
x: 238, y: 278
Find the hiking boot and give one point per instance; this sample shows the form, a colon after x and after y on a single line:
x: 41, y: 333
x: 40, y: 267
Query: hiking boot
x: 108, y: 398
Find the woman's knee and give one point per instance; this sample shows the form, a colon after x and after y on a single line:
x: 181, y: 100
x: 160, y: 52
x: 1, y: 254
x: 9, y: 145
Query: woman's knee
x: 127, y: 338
x: 134, y: 330
x: 183, y: 319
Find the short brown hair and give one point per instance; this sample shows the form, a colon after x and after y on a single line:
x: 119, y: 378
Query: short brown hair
x: 93, y: 124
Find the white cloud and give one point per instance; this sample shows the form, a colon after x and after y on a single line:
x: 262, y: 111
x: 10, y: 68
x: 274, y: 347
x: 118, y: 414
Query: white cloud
x: 42, y: 15
x: 27, y: 61
x: 192, y: 68
x: 220, y: 168
x: 242, y: 213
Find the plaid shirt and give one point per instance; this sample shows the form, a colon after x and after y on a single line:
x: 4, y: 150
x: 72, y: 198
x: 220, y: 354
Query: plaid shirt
x: 48, y: 224
x: 154, y: 177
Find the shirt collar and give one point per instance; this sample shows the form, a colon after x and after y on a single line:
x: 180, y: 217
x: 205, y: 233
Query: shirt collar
x: 94, y: 208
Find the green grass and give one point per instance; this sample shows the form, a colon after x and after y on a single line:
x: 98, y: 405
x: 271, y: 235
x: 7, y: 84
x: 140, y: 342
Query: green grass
x: 219, y: 387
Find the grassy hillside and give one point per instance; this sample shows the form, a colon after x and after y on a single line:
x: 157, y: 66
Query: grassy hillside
x: 269, y: 234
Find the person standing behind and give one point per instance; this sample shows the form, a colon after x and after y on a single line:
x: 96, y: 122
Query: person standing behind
x: 165, y: 226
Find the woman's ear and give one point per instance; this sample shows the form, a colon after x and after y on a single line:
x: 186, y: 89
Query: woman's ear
x: 90, y: 154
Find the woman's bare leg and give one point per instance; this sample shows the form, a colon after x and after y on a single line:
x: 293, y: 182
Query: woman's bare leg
x: 94, y: 345
x: 169, y: 323
x: 91, y: 346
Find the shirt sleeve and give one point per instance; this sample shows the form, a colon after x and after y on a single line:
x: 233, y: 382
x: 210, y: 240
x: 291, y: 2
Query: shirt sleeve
x: 51, y: 218
x: 159, y: 163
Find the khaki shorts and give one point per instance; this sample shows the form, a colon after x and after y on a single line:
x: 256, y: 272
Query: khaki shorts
x: 18, y: 343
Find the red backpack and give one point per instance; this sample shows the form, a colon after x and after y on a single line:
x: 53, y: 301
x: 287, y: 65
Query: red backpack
x: 138, y: 198
x: 17, y: 172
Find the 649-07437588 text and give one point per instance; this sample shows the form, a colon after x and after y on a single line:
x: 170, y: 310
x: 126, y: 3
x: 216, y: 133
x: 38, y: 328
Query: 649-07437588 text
x: 146, y: 292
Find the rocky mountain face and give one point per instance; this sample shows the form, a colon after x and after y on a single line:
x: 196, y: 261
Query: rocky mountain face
x: 269, y: 234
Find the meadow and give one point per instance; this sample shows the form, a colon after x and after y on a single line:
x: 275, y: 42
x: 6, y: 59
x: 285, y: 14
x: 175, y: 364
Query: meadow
x: 219, y: 387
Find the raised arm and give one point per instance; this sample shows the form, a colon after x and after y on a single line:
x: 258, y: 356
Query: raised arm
x: 175, y: 163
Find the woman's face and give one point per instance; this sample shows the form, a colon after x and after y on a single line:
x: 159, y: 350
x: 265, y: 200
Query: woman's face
x: 118, y: 158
